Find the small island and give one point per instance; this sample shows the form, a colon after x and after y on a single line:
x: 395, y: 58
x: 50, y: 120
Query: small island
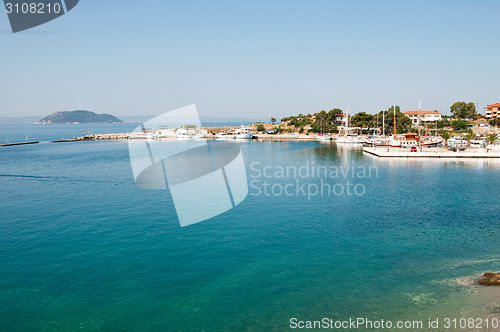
x: 79, y: 116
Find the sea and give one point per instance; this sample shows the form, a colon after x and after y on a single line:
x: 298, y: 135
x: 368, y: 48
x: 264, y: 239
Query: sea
x: 326, y: 233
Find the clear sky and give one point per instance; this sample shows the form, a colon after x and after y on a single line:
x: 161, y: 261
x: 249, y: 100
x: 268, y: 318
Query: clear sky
x: 253, y: 59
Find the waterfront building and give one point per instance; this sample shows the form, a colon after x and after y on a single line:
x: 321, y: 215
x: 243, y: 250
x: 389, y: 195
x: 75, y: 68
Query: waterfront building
x: 425, y: 116
x: 492, y: 111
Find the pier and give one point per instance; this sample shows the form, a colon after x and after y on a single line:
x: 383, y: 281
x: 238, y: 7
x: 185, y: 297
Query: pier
x: 19, y: 143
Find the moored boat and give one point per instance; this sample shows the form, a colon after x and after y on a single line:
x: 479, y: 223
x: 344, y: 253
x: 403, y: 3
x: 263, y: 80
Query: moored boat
x: 323, y: 138
x: 190, y: 132
x: 243, y: 133
x: 409, y: 140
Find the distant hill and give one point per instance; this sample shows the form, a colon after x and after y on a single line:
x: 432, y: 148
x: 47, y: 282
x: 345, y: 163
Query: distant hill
x: 78, y: 117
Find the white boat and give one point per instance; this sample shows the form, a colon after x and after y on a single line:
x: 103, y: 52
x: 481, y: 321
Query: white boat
x: 225, y: 135
x: 350, y: 139
x: 457, y: 142
x: 478, y: 143
x: 151, y: 136
x: 323, y: 138
x: 190, y: 132
x: 347, y: 138
x: 243, y: 133
x: 165, y: 133
x: 380, y: 141
x: 412, y: 140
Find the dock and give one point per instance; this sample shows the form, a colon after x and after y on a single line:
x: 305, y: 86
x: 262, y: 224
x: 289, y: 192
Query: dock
x: 65, y: 140
x: 385, y: 152
x: 19, y: 143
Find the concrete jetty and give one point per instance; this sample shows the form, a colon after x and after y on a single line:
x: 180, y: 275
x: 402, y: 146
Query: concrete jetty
x: 19, y: 143
x: 432, y: 153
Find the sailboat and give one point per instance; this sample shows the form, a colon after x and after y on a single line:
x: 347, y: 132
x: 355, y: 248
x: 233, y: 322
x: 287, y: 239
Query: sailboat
x: 410, y: 140
x: 347, y: 138
x: 322, y: 137
x: 382, y: 140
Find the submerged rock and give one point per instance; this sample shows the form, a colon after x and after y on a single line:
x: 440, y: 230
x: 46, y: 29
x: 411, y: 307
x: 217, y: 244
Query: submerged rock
x: 490, y: 279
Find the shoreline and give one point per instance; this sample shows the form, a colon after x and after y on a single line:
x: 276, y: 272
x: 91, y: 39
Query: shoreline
x: 481, y: 301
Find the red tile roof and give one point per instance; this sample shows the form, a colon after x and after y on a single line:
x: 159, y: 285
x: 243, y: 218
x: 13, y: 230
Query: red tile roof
x: 493, y: 105
x: 421, y: 112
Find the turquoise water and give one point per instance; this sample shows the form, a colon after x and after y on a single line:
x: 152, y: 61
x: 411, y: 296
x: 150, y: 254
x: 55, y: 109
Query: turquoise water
x: 83, y: 248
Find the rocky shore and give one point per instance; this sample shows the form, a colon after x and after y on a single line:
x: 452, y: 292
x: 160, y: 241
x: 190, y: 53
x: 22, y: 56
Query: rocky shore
x: 490, y: 279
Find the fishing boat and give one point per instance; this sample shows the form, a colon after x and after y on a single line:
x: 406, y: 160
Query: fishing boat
x: 225, y: 135
x: 243, y: 133
x: 409, y: 140
x: 377, y: 141
x: 190, y: 132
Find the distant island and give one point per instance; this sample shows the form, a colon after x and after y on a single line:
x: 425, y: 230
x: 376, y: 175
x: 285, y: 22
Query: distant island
x: 79, y: 116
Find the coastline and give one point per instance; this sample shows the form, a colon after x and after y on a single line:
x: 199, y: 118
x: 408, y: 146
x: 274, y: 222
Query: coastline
x: 477, y: 301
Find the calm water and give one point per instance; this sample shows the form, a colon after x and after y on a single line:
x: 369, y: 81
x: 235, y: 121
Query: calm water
x: 83, y: 248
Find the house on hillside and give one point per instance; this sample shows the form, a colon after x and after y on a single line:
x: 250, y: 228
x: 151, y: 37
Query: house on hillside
x: 492, y: 111
x: 425, y: 116
x: 340, y: 119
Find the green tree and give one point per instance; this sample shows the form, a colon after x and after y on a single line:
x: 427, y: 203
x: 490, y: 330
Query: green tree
x: 362, y: 119
x: 492, y: 138
x: 470, y: 136
x: 321, y: 120
x: 260, y: 127
x: 459, y: 124
x: 273, y: 120
x: 463, y: 110
x: 446, y: 135
x: 442, y: 123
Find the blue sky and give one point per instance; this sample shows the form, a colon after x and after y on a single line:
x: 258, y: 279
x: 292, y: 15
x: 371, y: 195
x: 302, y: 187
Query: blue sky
x: 252, y: 59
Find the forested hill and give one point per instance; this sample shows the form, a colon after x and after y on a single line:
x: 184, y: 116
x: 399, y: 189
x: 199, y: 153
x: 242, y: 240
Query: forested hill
x: 78, y: 117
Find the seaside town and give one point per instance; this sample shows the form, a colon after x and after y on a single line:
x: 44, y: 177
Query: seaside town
x: 466, y: 132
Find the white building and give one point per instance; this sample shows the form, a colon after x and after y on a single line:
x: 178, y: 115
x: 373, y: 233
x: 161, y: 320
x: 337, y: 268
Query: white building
x: 340, y: 119
x: 425, y: 116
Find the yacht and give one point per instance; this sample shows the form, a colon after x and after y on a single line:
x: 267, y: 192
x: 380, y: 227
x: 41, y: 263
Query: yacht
x: 412, y: 139
x: 243, y: 133
x: 323, y: 138
x: 225, y: 135
x: 350, y: 139
x: 190, y: 132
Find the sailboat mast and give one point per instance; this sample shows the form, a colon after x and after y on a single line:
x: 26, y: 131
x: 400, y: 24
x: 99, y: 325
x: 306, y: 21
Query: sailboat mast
x: 419, y: 118
x: 394, y: 109
x: 419, y: 130
x: 383, y: 122
x: 346, y: 122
